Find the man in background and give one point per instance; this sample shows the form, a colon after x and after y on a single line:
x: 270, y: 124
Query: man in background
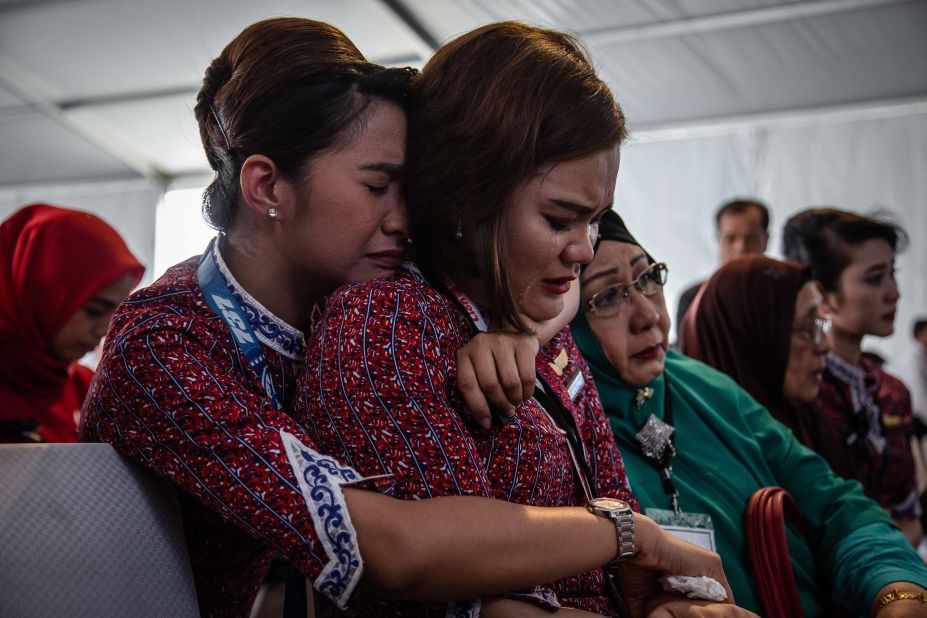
x: 742, y: 229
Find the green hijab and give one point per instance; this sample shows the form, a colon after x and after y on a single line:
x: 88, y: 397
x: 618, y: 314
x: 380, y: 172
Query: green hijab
x: 728, y: 446
x: 615, y: 394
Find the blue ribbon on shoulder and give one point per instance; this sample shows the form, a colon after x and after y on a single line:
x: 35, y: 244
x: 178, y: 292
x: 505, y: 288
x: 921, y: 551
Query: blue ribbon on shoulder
x: 221, y: 300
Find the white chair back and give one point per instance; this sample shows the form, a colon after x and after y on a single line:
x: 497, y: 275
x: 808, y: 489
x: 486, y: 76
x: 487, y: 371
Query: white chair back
x: 85, y: 532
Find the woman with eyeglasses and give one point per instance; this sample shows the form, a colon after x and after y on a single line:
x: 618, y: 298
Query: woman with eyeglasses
x: 764, y: 323
x: 864, y: 411
x: 697, y: 445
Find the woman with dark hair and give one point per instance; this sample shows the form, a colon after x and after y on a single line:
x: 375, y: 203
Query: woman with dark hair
x: 697, y: 446
x: 307, y: 140
x: 865, y: 409
x: 512, y: 159
x: 62, y: 274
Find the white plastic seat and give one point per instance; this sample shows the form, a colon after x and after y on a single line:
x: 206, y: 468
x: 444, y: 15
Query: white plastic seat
x: 85, y: 532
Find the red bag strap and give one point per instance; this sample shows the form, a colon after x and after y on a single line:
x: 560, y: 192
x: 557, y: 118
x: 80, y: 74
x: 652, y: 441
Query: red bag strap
x: 767, y: 512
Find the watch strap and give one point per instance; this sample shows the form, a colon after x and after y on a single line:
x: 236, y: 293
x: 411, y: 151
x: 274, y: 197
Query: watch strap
x: 623, y: 520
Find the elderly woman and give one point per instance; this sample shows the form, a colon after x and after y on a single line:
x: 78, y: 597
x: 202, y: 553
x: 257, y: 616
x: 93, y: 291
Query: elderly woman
x: 697, y: 446
x: 62, y: 274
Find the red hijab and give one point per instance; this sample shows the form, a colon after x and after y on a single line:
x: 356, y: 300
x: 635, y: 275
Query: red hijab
x: 52, y: 261
x: 741, y: 324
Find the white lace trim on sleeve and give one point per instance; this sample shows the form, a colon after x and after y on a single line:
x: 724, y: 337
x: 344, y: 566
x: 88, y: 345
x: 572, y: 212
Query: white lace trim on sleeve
x: 320, y: 479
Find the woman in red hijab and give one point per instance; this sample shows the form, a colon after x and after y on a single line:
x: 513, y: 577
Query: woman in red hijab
x: 62, y: 273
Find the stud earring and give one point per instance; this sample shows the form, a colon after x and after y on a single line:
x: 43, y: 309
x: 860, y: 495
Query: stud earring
x: 458, y: 233
x: 272, y: 213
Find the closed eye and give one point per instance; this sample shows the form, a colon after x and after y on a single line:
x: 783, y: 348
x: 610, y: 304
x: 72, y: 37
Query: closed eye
x: 558, y: 225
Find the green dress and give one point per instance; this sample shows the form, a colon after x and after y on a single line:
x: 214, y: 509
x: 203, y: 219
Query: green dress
x: 728, y: 446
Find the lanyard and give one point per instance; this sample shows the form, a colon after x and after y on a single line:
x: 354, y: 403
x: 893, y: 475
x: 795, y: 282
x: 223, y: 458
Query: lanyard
x: 664, y: 463
x: 553, y: 407
x: 220, y: 299
x: 452, y: 291
x: 562, y: 418
x: 468, y: 306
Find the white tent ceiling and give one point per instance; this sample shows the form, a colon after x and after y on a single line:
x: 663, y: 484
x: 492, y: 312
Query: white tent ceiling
x: 797, y: 102
x: 103, y: 89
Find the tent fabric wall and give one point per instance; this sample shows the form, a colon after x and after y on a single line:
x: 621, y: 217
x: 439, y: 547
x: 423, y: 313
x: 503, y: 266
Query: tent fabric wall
x: 668, y: 191
x: 129, y: 207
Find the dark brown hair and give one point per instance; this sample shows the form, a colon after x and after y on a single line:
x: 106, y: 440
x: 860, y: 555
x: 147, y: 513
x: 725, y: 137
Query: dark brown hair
x: 740, y: 206
x: 490, y: 110
x: 286, y: 88
x: 822, y: 238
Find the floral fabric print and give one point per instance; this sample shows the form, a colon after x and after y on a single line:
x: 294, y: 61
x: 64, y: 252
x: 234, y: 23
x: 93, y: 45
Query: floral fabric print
x: 382, y: 397
x: 173, y: 393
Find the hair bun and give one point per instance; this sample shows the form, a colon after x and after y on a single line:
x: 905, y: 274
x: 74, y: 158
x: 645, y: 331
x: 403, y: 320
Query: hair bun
x: 217, y: 75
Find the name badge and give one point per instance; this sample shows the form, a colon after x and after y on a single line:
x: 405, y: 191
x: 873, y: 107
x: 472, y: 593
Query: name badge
x: 696, y: 528
x: 576, y: 385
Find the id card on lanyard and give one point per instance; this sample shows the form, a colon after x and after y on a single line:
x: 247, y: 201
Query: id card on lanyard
x: 221, y: 300
x: 696, y: 528
x: 543, y: 395
x: 552, y: 407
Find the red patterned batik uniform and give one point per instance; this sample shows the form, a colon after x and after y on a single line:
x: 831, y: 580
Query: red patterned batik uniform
x: 601, y: 450
x: 380, y: 393
x: 173, y: 393
x: 870, y: 410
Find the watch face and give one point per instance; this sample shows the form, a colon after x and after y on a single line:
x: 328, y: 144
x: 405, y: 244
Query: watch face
x: 613, y: 504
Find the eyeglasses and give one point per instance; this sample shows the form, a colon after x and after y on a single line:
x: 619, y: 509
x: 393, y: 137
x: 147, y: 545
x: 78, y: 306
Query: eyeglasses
x: 816, y: 330
x: 615, y: 298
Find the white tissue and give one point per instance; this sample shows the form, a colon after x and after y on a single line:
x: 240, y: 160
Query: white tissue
x: 701, y: 587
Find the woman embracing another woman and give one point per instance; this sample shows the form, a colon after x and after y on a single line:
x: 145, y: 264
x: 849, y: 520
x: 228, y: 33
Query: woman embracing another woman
x: 198, y: 375
x: 512, y: 159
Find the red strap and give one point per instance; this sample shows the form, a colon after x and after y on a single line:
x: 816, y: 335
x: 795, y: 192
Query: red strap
x: 767, y: 511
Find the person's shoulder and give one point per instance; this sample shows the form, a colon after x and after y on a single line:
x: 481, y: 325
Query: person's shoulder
x: 721, y: 398
x: 889, y: 384
x: 685, y: 301
x: 388, y: 314
x: 561, y: 350
x: 178, y: 284
x: 406, y: 289
x: 686, y: 370
x: 889, y: 378
x: 873, y: 371
x: 175, y: 297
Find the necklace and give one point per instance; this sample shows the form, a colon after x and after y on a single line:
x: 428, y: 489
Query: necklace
x: 657, y: 441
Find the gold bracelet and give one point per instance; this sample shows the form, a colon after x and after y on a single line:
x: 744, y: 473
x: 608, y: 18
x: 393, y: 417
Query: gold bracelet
x: 894, y: 595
